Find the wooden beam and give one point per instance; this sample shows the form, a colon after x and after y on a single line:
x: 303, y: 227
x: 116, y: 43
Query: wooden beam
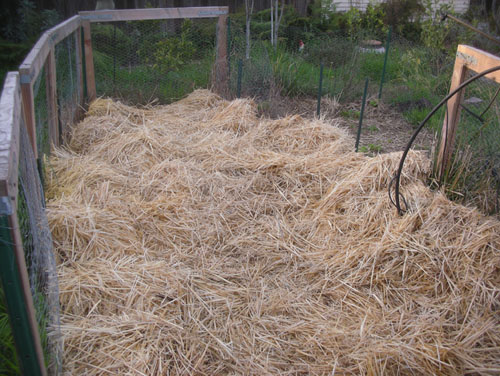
x: 34, y: 61
x: 79, y: 75
x: 62, y: 30
x: 28, y: 101
x: 221, y: 66
x: 451, y: 119
x: 153, y: 14
x: 10, y: 118
x: 89, y: 62
x: 51, y: 94
x: 467, y: 58
x: 478, y: 60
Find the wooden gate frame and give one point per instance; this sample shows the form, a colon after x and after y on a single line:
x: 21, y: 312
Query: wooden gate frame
x: 468, y: 59
x: 221, y: 66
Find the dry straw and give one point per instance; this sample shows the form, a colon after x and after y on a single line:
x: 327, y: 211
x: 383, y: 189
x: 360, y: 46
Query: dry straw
x: 198, y: 239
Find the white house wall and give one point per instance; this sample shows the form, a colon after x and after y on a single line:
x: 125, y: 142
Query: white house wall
x: 460, y: 6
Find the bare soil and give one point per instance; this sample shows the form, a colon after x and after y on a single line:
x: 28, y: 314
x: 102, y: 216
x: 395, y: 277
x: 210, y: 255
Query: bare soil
x: 384, y: 128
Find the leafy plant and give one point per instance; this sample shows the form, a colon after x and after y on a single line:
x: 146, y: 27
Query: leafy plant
x: 8, y: 358
x: 174, y: 52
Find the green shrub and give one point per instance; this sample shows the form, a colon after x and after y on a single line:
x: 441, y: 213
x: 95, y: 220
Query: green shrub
x: 172, y: 53
x: 112, y: 40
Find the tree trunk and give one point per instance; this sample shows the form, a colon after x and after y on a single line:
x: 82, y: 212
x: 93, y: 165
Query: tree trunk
x: 248, y: 12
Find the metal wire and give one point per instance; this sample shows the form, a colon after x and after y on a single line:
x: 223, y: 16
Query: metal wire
x: 397, y: 178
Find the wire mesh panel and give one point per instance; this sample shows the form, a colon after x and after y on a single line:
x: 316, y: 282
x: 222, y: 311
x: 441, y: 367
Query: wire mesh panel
x: 41, y: 113
x: 142, y: 61
x: 67, y: 82
x: 475, y: 171
x: 37, y: 244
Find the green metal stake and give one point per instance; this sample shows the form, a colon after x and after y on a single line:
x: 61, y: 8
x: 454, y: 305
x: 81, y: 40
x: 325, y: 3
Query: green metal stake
x: 320, y: 90
x: 240, y: 72
x: 229, y: 46
x: 361, y: 115
x: 387, y: 45
x: 14, y: 296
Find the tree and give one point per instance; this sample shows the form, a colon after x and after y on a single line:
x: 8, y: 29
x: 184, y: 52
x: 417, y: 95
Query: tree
x: 275, y: 20
x: 248, y: 13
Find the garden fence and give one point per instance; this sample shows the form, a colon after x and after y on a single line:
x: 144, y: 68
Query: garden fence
x: 149, y: 56
x: 68, y: 67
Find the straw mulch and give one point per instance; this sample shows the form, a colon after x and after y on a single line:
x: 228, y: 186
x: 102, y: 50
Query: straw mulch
x: 198, y: 239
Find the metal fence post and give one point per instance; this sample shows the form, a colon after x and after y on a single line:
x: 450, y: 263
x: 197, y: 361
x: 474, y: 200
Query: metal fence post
x: 320, y: 90
x: 387, y: 45
x: 229, y: 46
x: 358, y: 136
x: 240, y: 73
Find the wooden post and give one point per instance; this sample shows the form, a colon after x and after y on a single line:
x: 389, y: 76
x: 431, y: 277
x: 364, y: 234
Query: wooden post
x: 51, y: 90
x: 13, y: 271
x: 29, y: 113
x: 221, y: 66
x: 79, y: 75
x: 89, y: 62
x: 451, y: 119
x: 468, y: 58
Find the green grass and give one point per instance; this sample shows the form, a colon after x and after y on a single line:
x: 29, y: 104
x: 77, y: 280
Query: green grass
x: 371, y: 148
x: 142, y: 84
x: 9, y: 365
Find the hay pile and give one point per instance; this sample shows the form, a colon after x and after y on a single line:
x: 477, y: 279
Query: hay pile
x: 197, y: 239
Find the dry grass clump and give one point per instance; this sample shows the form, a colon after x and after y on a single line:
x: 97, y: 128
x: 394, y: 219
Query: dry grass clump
x: 196, y: 238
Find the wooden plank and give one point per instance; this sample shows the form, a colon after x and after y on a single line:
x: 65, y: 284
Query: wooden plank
x: 89, y: 62
x: 10, y: 117
x: 221, y: 66
x: 478, y: 60
x: 468, y: 58
x: 153, y: 14
x: 28, y: 101
x: 451, y: 118
x: 51, y: 93
x: 34, y: 61
x: 79, y: 76
x: 62, y: 30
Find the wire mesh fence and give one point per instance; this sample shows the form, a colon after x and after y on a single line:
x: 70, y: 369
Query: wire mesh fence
x: 143, y: 61
x: 161, y: 61
x: 41, y: 113
x: 40, y: 261
x: 68, y: 82
x: 474, y: 174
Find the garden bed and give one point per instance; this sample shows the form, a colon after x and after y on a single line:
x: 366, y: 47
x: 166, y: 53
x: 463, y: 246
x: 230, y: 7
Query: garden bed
x: 198, y: 238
